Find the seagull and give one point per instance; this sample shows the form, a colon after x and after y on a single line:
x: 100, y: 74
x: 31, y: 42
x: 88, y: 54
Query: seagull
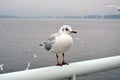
x: 59, y: 43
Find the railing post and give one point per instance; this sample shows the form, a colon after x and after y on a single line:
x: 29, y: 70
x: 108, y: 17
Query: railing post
x: 73, y: 77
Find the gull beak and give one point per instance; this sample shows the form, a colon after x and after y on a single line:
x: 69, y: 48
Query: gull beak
x: 73, y: 32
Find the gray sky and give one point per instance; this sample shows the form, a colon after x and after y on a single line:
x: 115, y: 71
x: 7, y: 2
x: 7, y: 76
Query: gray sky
x: 57, y: 7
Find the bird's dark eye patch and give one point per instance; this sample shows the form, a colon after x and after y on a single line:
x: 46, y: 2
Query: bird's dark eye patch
x: 66, y: 29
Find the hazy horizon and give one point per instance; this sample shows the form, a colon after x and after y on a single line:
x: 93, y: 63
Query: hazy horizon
x: 37, y: 8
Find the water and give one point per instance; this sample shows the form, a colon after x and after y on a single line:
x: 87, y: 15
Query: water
x: 20, y: 38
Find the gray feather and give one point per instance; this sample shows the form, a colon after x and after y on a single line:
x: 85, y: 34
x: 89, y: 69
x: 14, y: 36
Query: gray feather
x: 50, y: 41
x: 48, y: 46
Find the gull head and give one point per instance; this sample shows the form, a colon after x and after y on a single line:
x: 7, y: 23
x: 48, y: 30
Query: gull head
x: 66, y: 29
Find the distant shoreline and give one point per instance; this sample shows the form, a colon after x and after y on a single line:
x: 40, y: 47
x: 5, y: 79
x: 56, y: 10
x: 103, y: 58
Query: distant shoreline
x: 114, y: 16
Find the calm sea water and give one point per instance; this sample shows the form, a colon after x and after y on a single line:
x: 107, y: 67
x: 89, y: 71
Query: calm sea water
x: 20, y: 38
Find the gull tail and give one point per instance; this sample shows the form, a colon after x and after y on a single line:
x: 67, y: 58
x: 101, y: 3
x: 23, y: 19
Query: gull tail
x: 42, y: 44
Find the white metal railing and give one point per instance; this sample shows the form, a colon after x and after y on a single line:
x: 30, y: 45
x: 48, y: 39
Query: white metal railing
x: 62, y: 72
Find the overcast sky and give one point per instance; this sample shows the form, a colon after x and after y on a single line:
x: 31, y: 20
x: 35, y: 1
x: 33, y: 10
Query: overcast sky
x: 57, y: 7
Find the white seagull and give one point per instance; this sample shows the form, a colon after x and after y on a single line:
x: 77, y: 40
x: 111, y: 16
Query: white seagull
x: 59, y: 42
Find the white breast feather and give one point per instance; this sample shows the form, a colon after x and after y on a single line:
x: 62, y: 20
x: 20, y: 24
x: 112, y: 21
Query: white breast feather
x: 62, y: 44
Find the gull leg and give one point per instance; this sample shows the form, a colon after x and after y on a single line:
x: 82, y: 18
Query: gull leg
x: 63, y: 62
x: 58, y: 64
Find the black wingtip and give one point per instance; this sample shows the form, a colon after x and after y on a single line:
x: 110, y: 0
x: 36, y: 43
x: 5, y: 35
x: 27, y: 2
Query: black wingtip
x: 40, y: 44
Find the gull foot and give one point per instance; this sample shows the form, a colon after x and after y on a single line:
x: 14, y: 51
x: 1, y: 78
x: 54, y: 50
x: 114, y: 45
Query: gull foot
x: 64, y: 63
x: 58, y: 64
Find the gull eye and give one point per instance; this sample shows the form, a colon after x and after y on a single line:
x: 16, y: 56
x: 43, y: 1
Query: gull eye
x: 66, y: 29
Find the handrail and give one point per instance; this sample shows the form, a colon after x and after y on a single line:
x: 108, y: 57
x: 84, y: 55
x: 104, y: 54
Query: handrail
x: 66, y: 71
